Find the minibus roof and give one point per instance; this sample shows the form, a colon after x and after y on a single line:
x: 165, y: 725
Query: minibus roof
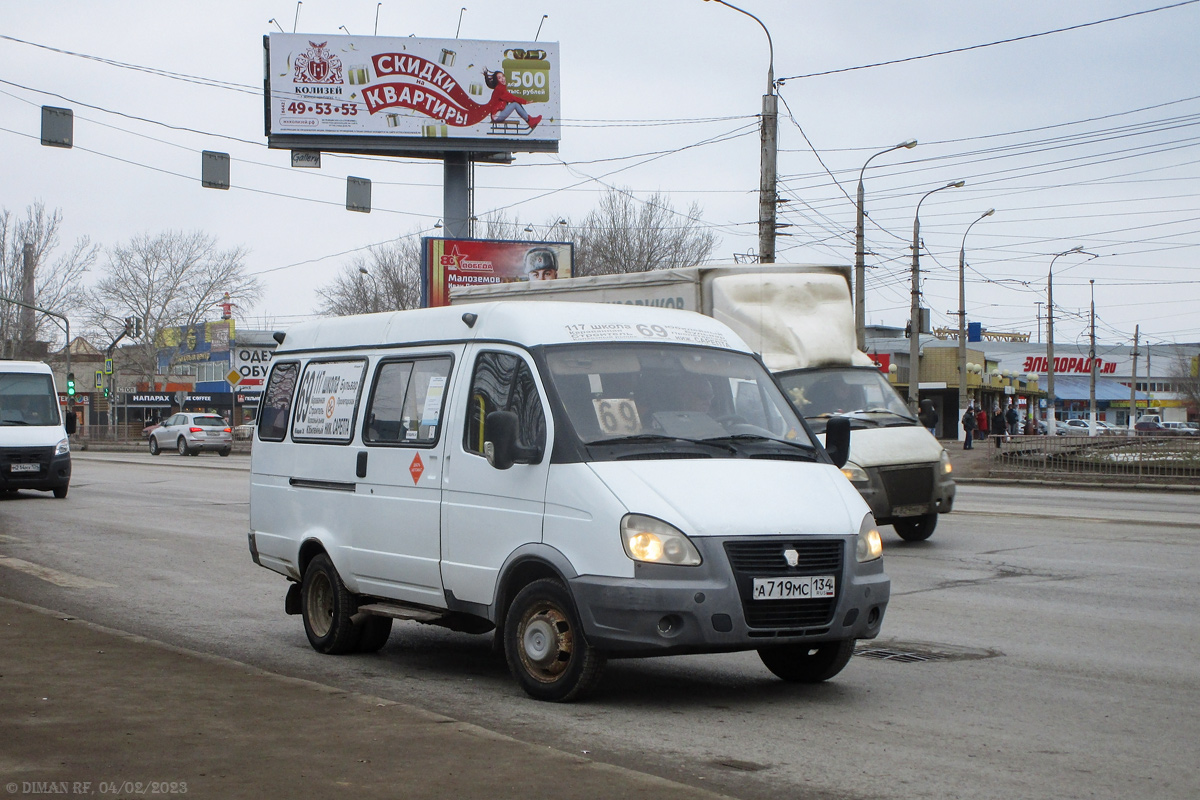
x: 24, y: 366
x: 524, y: 323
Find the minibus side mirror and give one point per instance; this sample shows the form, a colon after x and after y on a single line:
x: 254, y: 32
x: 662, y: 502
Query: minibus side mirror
x: 837, y: 440
x: 500, y: 439
x: 69, y: 423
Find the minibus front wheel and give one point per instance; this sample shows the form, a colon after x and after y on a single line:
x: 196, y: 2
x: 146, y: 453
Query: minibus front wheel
x: 327, y: 608
x: 807, y: 663
x: 545, y: 646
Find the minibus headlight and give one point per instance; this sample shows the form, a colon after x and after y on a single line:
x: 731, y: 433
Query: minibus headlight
x: 63, y: 447
x: 870, y: 544
x: 654, y: 541
x: 855, y: 473
x: 947, y: 467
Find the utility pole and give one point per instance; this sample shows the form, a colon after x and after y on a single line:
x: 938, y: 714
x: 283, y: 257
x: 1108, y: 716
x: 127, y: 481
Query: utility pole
x: 1092, y: 366
x: 767, y: 197
x: 28, y: 296
x: 1133, y: 382
x: 1039, y: 320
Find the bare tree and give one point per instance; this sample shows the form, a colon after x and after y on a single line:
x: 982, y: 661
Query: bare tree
x: 1185, y: 374
x: 386, y: 278
x: 167, y: 280
x: 56, y: 280
x: 624, y: 235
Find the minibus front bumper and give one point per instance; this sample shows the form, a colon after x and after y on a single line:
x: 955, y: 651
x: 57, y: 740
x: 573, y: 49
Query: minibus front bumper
x: 667, y: 610
x: 34, y: 468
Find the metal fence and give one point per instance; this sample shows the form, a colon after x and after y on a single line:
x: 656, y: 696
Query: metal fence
x: 1148, y: 459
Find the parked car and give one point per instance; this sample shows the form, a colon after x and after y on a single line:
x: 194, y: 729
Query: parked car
x: 1181, y: 428
x: 244, y: 431
x: 1147, y: 426
x: 189, y: 434
x: 149, y: 428
x: 1081, y: 427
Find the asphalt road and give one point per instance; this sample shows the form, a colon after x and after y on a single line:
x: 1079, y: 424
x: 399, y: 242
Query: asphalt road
x: 1045, y: 643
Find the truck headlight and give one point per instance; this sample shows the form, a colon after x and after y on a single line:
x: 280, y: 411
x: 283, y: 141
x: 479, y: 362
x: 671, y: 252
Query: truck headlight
x: 654, y: 541
x: 854, y: 473
x: 870, y: 544
x: 947, y: 467
x: 63, y: 447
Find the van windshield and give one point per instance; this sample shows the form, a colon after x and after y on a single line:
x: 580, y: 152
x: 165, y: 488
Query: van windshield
x: 861, y: 393
x: 641, y: 400
x: 28, y: 398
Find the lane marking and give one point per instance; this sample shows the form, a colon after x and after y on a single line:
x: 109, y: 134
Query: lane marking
x: 57, y: 577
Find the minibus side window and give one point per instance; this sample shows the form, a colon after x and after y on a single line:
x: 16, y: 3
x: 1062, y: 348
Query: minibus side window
x: 276, y: 402
x: 504, y: 382
x: 407, y: 401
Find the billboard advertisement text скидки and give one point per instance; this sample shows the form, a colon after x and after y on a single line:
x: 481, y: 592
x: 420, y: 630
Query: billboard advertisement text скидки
x: 407, y: 87
x: 474, y: 262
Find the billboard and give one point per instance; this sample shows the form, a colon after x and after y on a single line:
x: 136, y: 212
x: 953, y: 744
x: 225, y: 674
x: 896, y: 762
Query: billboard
x: 203, y: 341
x: 473, y: 262
x: 376, y: 92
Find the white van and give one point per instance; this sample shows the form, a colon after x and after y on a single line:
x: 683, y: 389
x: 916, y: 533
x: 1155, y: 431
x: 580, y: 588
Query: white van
x: 589, y: 480
x: 34, y: 450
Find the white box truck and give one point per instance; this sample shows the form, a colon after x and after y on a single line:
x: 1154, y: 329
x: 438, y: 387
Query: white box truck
x: 800, y: 319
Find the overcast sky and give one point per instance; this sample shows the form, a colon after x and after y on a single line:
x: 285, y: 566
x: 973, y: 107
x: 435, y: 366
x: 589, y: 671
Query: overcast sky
x: 1085, y: 137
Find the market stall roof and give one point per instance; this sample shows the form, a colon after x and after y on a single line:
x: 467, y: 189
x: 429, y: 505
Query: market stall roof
x: 1072, y: 387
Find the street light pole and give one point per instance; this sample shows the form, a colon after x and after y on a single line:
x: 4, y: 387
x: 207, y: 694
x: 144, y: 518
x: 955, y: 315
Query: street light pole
x: 914, y: 345
x: 962, y: 318
x: 767, y: 198
x: 1050, y: 404
x: 1092, y: 366
x: 860, y: 261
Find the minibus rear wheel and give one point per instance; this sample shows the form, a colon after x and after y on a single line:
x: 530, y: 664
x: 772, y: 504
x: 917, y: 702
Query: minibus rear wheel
x: 327, y: 608
x: 807, y: 663
x: 544, y: 644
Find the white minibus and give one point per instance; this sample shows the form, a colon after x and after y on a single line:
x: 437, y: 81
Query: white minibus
x: 590, y: 481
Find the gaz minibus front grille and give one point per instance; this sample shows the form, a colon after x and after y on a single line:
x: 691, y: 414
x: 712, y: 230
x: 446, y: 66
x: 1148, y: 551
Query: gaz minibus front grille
x: 766, y: 559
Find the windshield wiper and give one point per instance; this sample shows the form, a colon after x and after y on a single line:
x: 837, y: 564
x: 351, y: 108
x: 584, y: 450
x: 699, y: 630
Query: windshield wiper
x: 13, y: 422
x: 755, y: 437
x: 881, y: 410
x: 642, y: 438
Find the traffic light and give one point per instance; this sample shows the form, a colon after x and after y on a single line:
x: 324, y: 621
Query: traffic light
x: 70, y: 384
x: 129, y: 326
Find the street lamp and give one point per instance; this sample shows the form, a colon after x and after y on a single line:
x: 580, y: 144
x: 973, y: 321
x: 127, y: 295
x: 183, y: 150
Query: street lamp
x: 1050, y: 404
x: 860, y: 268
x: 914, y: 346
x: 770, y: 145
x: 962, y: 317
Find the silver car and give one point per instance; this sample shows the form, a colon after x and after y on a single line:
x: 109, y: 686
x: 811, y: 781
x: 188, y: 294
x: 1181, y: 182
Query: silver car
x: 188, y: 434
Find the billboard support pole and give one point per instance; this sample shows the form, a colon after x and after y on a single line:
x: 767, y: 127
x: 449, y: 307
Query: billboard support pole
x: 456, y: 195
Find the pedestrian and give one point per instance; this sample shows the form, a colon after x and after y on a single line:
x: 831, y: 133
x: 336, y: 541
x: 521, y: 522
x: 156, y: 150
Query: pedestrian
x: 1012, y: 418
x: 928, y: 416
x: 999, y: 428
x: 981, y: 422
x: 969, y: 423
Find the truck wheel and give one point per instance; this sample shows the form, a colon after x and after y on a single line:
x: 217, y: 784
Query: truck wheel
x: 545, y: 647
x: 327, y: 606
x: 154, y: 448
x: 60, y: 491
x: 182, y: 447
x: 373, y: 634
x: 916, y: 529
x: 806, y: 663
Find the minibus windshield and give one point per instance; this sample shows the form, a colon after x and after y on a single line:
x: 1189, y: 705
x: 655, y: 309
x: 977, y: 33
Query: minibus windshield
x: 861, y: 393
x: 681, y: 399
x: 28, y: 398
